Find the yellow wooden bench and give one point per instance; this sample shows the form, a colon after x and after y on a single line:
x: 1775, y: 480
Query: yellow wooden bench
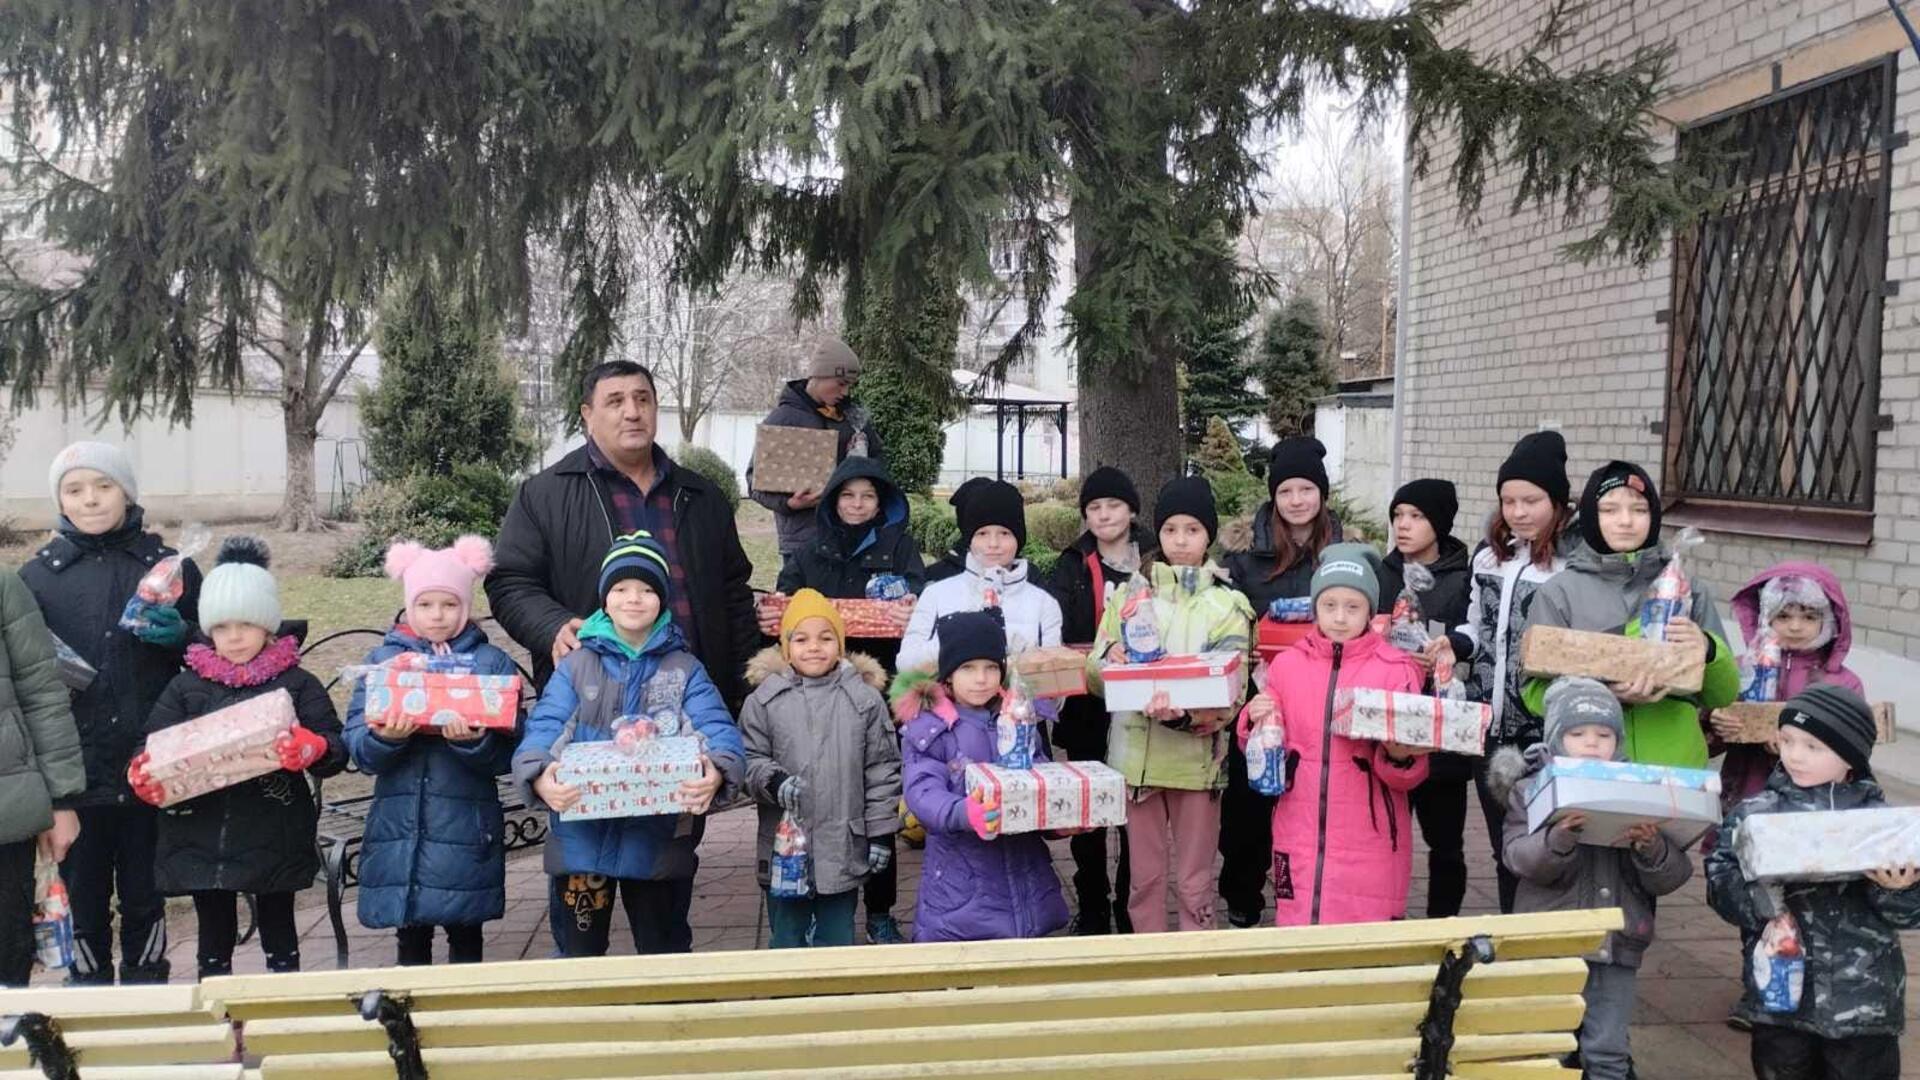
x: 1397, y: 999
x: 136, y: 1032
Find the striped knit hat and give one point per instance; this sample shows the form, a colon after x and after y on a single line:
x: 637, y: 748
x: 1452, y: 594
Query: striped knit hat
x: 635, y: 555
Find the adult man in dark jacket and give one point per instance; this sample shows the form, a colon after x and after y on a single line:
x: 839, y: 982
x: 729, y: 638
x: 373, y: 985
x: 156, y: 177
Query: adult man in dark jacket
x: 820, y: 401
x: 545, y: 580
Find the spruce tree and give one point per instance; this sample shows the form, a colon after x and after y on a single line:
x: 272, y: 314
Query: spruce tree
x: 1290, y: 367
x: 444, y: 396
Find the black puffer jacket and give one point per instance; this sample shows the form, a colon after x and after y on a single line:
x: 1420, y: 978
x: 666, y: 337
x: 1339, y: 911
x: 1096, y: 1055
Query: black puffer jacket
x: 547, y: 567
x: 256, y: 836
x: 82, y: 582
x: 795, y: 528
x: 1452, y: 581
x: 839, y: 561
x: 1856, y: 977
x: 1250, y: 562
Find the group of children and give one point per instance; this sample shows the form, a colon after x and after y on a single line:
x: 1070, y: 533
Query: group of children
x: 818, y: 740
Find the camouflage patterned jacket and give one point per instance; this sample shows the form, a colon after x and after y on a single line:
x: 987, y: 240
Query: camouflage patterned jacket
x: 1856, y: 978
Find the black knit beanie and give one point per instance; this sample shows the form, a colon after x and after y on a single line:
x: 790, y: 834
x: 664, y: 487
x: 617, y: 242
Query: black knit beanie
x: 970, y: 635
x: 1540, y: 459
x: 1302, y: 456
x: 1107, y: 482
x: 1190, y: 495
x: 994, y: 502
x: 1617, y: 474
x: 1838, y: 717
x: 1434, y: 498
x: 965, y: 491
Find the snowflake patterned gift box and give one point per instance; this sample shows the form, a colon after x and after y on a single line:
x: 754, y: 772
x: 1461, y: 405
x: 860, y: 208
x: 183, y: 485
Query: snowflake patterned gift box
x: 1617, y: 795
x: 1827, y: 845
x: 220, y: 749
x: 1053, y: 795
x: 1208, y: 680
x: 1454, y: 725
x: 616, y: 783
x: 435, y: 699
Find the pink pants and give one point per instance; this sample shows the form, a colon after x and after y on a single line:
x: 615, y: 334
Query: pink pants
x: 1181, y: 828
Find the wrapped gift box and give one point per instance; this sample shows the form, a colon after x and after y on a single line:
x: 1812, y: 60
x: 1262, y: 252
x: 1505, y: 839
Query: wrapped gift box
x: 1053, y: 795
x: 220, y: 749
x: 794, y: 459
x: 863, y: 618
x: 1271, y: 638
x: 1550, y: 651
x: 1054, y: 671
x: 1451, y: 724
x: 1210, y: 680
x: 615, y: 783
x: 436, y: 699
x: 1760, y: 720
x: 1827, y: 845
x: 1616, y: 795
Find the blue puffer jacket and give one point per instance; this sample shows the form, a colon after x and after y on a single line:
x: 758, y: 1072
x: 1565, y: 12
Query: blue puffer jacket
x: 577, y: 706
x: 434, y: 853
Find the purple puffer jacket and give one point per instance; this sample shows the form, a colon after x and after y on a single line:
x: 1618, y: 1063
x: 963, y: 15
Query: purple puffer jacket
x: 970, y: 889
x: 1746, y: 767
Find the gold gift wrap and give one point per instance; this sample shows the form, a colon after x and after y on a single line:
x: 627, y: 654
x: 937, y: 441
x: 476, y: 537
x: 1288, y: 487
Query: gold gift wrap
x: 1760, y: 720
x: 1549, y: 652
x: 793, y: 459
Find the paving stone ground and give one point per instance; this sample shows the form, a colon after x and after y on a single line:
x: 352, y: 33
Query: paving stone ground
x: 1689, y: 983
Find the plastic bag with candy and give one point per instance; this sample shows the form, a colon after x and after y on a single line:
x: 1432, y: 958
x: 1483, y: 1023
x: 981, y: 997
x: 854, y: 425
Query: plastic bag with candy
x: 1779, y: 966
x: 1291, y: 609
x: 166, y: 583
x: 888, y: 587
x: 1013, y: 729
x: 1671, y: 595
x: 1762, y: 682
x: 1267, y: 757
x: 632, y: 729
x: 1140, y: 625
x: 1406, y: 626
x: 790, y: 870
x: 52, y: 918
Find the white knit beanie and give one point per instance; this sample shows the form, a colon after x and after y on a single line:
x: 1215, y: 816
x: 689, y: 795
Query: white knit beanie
x: 239, y: 588
x: 104, y: 458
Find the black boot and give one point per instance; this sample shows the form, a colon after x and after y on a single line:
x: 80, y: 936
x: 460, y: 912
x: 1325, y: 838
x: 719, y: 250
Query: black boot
x: 280, y: 963
x: 1094, y: 919
x: 155, y: 973
x: 215, y: 966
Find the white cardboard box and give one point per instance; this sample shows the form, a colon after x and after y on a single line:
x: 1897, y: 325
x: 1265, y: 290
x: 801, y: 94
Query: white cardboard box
x: 1215, y: 680
x: 1827, y: 845
x: 1617, y: 795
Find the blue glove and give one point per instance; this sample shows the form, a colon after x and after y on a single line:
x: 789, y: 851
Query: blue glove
x: 879, y: 856
x: 165, y: 627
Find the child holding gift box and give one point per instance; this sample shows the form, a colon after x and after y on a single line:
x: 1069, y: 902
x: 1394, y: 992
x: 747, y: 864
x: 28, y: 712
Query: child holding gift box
x: 821, y: 744
x: 256, y: 836
x: 1342, y: 847
x: 1607, y: 578
x: 1803, y: 607
x: 1852, y: 1007
x: 631, y: 660
x: 993, y: 524
x: 1174, y: 761
x: 975, y: 884
x: 1558, y: 873
x: 82, y: 579
x: 434, y: 853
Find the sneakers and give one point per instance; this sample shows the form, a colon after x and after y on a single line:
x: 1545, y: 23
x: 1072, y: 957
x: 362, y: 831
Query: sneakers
x: 1738, y: 1022
x: 883, y: 930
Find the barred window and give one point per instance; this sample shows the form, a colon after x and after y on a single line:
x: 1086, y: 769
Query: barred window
x: 1774, y: 368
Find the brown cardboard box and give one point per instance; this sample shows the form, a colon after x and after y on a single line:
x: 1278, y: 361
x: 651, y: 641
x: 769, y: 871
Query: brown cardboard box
x: 1053, y: 670
x: 792, y: 459
x: 1549, y: 651
x: 1760, y: 720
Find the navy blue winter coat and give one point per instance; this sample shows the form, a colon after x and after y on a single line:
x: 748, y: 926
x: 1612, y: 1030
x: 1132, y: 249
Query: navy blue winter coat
x: 434, y: 853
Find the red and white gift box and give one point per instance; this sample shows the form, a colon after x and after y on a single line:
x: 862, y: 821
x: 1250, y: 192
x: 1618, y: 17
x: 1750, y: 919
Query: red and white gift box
x: 1053, y: 795
x: 615, y: 783
x: 1451, y: 724
x: 435, y: 699
x: 863, y: 618
x: 1272, y: 637
x: 1209, y: 680
x: 220, y: 749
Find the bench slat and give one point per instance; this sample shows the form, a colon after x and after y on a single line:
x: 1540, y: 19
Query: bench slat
x: 150, y: 1006
x: 179, y: 1043
x: 784, y: 1016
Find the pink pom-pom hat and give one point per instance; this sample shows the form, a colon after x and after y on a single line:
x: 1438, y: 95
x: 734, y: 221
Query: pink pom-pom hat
x: 452, y: 570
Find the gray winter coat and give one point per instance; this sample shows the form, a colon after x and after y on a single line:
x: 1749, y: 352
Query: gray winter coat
x: 1557, y: 874
x: 1856, y: 978
x: 836, y: 734
x: 1603, y: 592
x: 40, y: 759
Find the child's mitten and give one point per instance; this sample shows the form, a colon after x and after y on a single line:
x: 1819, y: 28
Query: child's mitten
x: 143, y: 785
x: 791, y: 791
x: 299, y: 748
x: 983, y: 816
x: 879, y: 856
x: 165, y: 627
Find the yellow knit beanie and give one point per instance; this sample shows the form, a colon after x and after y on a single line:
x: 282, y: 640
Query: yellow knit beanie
x: 810, y: 604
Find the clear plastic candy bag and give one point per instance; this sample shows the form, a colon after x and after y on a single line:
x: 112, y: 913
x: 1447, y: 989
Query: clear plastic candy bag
x: 166, y: 583
x: 1671, y: 595
x: 790, y: 870
x: 52, y: 918
x: 888, y: 587
x: 1762, y: 677
x: 1013, y: 729
x: 633, y: 729
x: 1267, y: 757
x: 1291, y: 609
x: 1779, y: 966
x: 1140, y: 625
x: 1406, y: 626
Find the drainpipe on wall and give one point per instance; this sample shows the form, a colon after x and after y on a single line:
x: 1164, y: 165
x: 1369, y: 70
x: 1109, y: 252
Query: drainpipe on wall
x: 1402, y: 371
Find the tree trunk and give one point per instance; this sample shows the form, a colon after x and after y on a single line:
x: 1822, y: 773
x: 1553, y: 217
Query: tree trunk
x: 298, y: 509
x: 689, y: 421
x: 1131, y: 424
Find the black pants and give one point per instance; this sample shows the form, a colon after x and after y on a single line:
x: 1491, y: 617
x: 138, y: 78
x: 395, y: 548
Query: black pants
x: 16, y: 912
x: 1495, y: 812
x: 1081, y: 734
x: 1440, y: 805
x: 1785, y: 1054
x: 113, y: 859
x: 416, y: 945
x: 1246, y: 842
x: 882, y: 890
x: 219, y: 918
x: 581, y: 908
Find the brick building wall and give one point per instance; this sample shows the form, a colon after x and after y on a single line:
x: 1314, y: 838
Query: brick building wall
x: 1505, y: 336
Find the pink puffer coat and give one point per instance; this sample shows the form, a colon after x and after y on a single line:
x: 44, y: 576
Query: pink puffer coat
x: 1342, y: 833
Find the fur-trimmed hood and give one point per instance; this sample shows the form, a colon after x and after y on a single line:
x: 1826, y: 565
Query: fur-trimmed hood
x: 1236, y: 535
x: 768, y: 662
x: 1509, y: 766
x: 916, y: 690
